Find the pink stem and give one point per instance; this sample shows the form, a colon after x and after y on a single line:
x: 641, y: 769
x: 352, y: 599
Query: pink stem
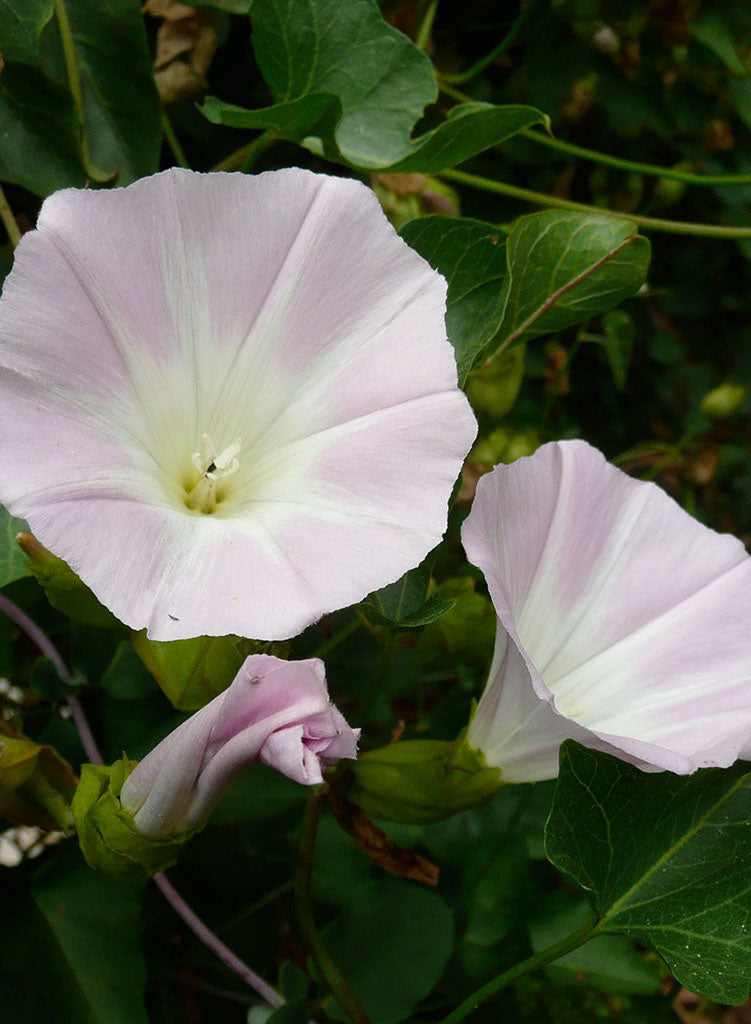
x: 204, y: 933
x: 173, y: 897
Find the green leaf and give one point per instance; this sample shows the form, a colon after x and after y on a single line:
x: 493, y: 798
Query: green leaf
x: 392, y: 945
x: 667, y: 859
x: 564, y: 268
x: 121, y: 104
x: 407, y: 604
x: 607, y: 962
x: 22, y: 22
x: 37, y: 113
x: 356, y: 87
x: 13, y: 565
x: 80, y: 936
x: 618, y: 344
x: 471, y: 255
x: 191, y: 672
x: 315, y: 114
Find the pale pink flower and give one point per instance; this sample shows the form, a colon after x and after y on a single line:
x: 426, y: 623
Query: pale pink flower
x: 227, y: 401
x: 623, y: 623
x: 275, y: 711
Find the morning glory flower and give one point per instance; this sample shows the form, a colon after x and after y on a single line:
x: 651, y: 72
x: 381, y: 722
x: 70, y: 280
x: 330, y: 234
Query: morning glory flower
x: 275, y: 711
x: 623, y: 623
x: 227, y: 401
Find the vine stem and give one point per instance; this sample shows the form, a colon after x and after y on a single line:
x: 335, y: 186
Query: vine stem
x: 573, y: 941
x: 333, y: 641
x: 674, y: 174
x: 173, y: 142
x: 9, y: 221
x: 199, y: 928
x: 526, y: 14
x: 674, y: 227
x: 329, y: 971
x: 595, y: 156
x: 426, y: 25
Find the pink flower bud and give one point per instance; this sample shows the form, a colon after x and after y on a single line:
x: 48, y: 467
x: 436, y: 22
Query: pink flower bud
x: 275, y: 711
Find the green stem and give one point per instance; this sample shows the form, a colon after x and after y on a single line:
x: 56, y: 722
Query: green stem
x: 258, y: 146
x: 39, y: 791
x: 689, y: 177
x: 578, y: 938
x: 173, y: 142
x: 426, y: 26
x: 675, y: 227
x: 338, y: 638
x: 9, y: 221
x: 329, y: 971
x: 526, y: 14
x: 74, y: 84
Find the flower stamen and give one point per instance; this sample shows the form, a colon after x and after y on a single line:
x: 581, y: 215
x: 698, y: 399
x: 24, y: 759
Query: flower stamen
x: 213, y: 467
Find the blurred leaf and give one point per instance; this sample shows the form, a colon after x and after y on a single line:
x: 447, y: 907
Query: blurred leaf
x: 498, y: 889
x: 13, y: 565
x: 408, y: 603
x: 126, y: 677
x: 392, y: 946
x: 564, y: 268
x: 294, y: 983
x: 296, y: 1012
x: 710, y: 29
x: 339, y: 72
x: 607, y: 962
x: 82, y: 934
x: 618, y: 344
x: 471, y: 255
x: 259, y: 793
x: 667, y: 859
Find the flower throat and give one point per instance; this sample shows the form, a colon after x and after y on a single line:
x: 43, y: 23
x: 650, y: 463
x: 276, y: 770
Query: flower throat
x: 213, y: 467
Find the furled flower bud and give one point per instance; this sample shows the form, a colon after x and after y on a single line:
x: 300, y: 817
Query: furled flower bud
x: 275, y: 711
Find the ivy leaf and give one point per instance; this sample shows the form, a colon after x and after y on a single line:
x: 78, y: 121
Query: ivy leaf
x: 564, y: 268
x: 13, y: 565
x: 471, y: 255
x: 667, y: 859
x: 353, y: 88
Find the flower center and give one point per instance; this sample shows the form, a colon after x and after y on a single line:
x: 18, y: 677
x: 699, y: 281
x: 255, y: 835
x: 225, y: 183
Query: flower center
x: 213, y: 467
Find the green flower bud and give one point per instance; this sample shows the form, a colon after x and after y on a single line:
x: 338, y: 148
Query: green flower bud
x: 723, y: 401
x: 420, y: 781
x: 109, y: 840
x: 63, y: 588
x: 493, y: 388
x: 36, y: 784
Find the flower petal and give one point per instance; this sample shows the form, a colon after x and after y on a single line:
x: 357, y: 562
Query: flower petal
x: 629, y: 614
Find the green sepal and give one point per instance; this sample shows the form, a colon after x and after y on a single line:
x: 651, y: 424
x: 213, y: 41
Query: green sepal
x: 63, y: 588
x: 419, y: 781
x: 109, y: 840
x: 192, y: 672
x: 36, y: 784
